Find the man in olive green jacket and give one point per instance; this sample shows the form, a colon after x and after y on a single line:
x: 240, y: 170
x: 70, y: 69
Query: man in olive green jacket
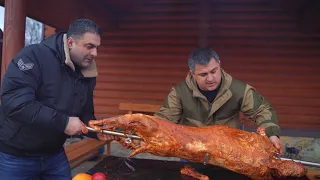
x: 211, y: 96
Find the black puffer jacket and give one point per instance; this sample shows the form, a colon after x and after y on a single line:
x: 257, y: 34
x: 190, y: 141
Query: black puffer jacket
x: 38, y: 93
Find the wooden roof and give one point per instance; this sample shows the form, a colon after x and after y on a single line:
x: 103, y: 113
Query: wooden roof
x: 59, y: 13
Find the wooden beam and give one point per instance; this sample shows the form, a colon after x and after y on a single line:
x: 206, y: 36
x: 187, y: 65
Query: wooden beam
x: 82, y: 150
x: 309, y: 17
x: 131, y: 107
x: 59, y: 13
x: 103, y: 15
x: 204, y: 23
x: 306, y: 13
x: 14, y: 31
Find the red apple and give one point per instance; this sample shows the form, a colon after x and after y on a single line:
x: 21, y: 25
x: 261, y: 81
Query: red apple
x: 99, y: 176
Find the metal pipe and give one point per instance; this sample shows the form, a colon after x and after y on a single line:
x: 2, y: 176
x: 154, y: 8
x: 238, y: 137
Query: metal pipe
x: 302, y: 162
x: 114, y: 133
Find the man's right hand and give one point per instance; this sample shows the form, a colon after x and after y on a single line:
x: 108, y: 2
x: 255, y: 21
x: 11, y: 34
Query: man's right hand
x: 74, y: 127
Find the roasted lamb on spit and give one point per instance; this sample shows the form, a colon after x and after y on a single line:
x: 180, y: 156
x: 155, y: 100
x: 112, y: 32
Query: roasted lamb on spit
x: 248, y: 153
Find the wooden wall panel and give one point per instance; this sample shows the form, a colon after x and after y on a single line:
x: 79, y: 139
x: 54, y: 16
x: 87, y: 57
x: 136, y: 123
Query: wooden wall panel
x: 48, y: 31
x: 143, y: 59
x: 257, y: 43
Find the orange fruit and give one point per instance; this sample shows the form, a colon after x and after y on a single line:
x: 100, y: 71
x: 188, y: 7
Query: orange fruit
x: 82, y: 176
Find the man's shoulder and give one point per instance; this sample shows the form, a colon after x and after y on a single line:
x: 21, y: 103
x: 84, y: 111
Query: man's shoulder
x: 34, y: 55
x: 238, y: 83
x: 181, y: 84
x: 237, y: 86
x: 32, y: 50
x: 181, y: 89
x: 234, y: 81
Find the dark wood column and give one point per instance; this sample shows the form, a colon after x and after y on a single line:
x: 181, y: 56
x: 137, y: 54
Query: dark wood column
x: 204, y: 23
x: 14, y: 31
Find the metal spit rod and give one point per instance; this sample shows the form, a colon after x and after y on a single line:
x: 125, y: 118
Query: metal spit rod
x: 302, y: 162
x: 114, y: 133
x: 307, y: 163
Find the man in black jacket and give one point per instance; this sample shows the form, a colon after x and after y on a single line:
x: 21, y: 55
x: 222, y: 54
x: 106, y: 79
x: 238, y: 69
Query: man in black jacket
x: 46, y: 96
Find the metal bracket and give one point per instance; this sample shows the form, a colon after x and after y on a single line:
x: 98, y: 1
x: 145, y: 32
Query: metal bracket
x: 206, y: 158
x: 128, y: 139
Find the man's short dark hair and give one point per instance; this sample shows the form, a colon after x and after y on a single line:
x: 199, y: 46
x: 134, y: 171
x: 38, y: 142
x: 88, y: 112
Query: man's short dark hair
x: 81, y: 26
x: 201, y: 56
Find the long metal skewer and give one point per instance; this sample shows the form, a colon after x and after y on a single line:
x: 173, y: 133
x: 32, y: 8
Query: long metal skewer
x: 114, y: 133
x: 302, y: 162
x: 307, y: 163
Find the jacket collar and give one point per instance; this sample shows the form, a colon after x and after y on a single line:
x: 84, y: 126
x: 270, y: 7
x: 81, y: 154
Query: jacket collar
x: 223, y: 95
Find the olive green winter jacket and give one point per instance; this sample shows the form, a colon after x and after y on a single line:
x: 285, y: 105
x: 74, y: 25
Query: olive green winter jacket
x: 186, y: 105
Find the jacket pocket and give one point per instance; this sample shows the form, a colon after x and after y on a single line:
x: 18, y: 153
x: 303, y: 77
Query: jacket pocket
x: 9, y: 129
x: 193, y: 122
x: 1, y: 117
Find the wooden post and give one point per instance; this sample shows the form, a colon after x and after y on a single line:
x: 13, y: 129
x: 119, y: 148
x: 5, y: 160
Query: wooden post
x: 204, y: 23
x: 14, y: 31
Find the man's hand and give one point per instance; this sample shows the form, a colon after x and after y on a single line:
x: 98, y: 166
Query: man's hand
x: 74, y: 127
x: 277, y: 143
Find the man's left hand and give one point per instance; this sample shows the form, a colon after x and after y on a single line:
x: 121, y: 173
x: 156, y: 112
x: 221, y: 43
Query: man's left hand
x: 277, y: 143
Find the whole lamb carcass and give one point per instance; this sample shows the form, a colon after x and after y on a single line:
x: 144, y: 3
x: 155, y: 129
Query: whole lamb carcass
x: 248, y: 153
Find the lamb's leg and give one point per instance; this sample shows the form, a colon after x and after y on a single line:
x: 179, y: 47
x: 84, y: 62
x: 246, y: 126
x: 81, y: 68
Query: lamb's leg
x: 189, y: 171
x: 287, y: 168
x: 139, y: 150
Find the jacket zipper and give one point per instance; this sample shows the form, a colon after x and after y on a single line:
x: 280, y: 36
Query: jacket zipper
x: 210, y: 104
x: 75, y: 99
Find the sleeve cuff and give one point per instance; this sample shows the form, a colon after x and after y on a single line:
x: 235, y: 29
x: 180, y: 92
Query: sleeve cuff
x: 63, y: 119
x: 67, y: 121
x: 273, y: 131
